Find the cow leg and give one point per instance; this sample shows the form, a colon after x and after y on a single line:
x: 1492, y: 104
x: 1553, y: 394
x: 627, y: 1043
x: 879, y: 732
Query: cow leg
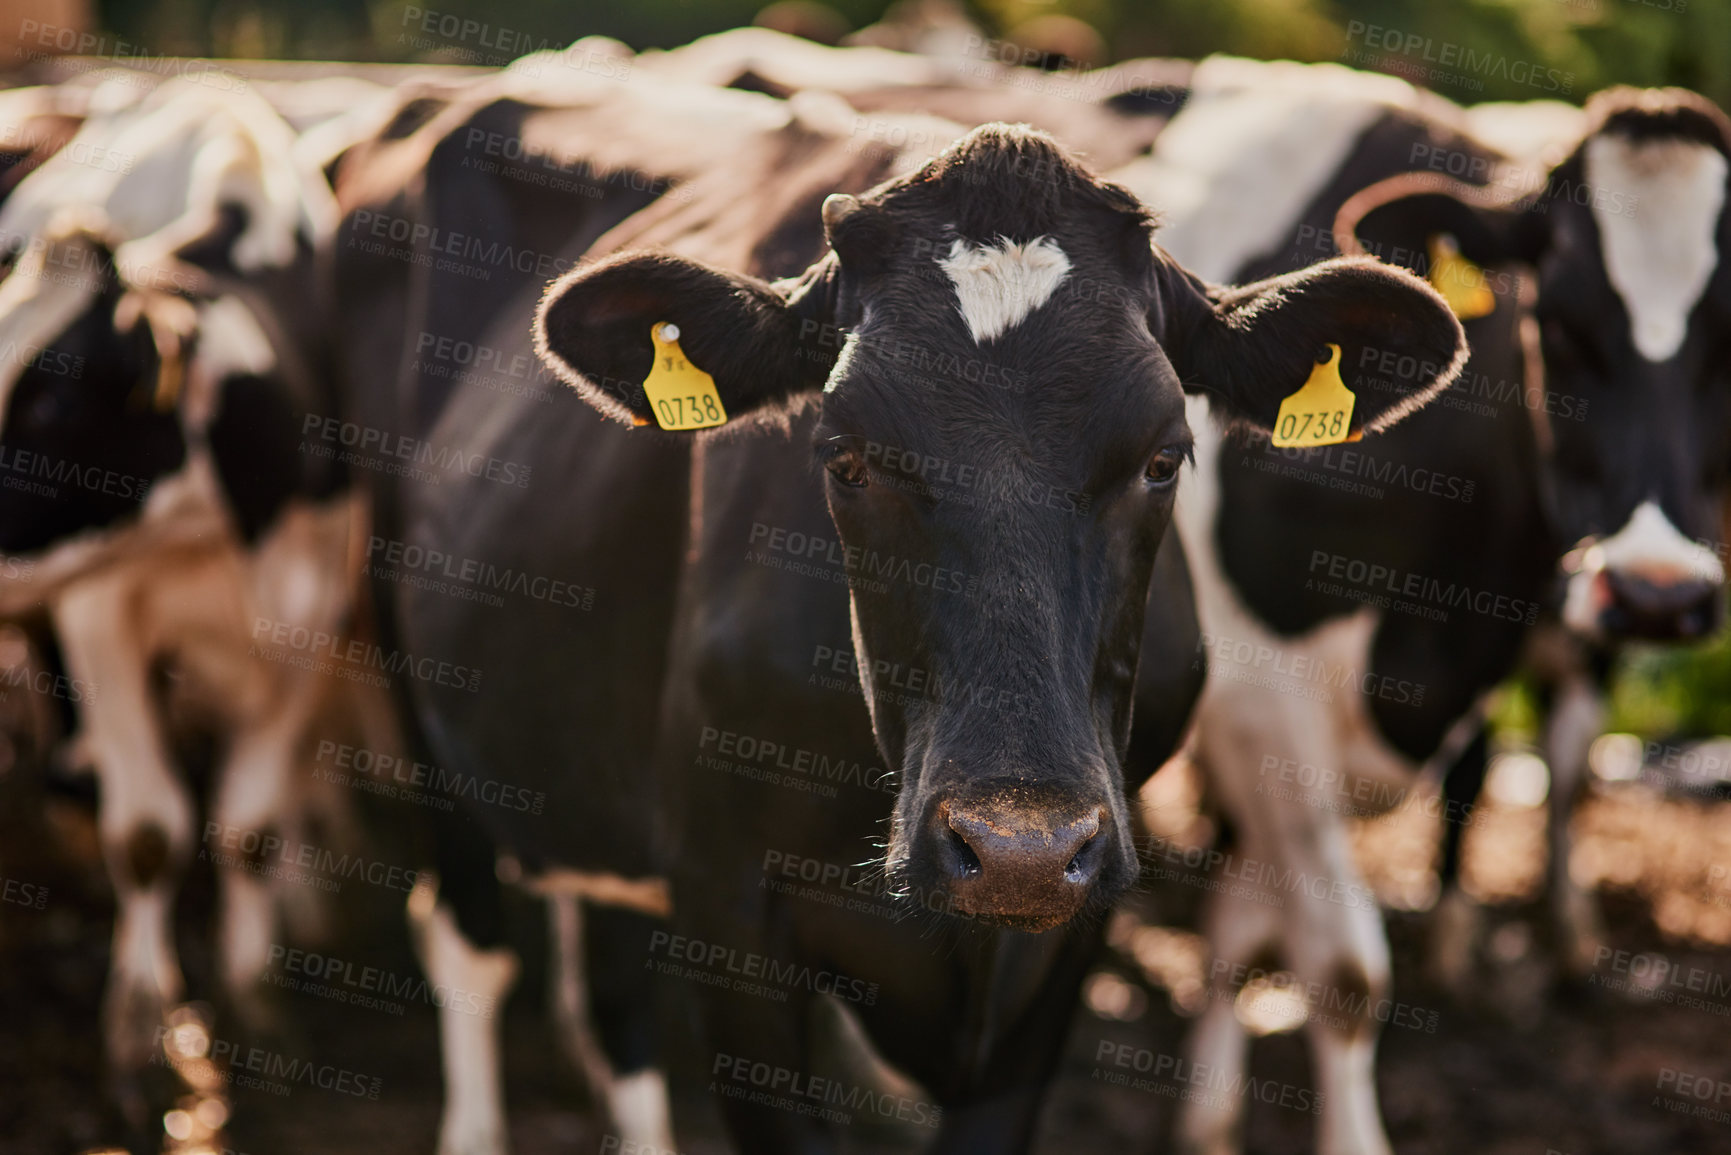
x: 623, y: 999
x: 1334, y: 942
x: 1241, y: 932
x: 1454, y: 924
x: 616, y: 1059
x: 458, y: 928
x: 146, y: 820
x: 1577, y: 718
x: 1329, y: 926
x: 569, y: 996
x: 257, y: 793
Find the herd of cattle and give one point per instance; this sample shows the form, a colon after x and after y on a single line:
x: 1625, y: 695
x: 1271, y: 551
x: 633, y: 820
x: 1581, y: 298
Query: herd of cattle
x: 339, y: 407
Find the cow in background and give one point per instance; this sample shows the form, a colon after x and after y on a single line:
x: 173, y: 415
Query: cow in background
x: 1367, y: 681
x: 1107, y: 115
x: 160, y: 301
x: 1625, y: 239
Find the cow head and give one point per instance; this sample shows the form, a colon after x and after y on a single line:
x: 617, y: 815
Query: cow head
x: 1628, y: 241
x: 1002, y: 429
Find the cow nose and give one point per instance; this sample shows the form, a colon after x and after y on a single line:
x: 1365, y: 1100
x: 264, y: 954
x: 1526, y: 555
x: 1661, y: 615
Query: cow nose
x: 1031, y: 868
x: 1660, y: 608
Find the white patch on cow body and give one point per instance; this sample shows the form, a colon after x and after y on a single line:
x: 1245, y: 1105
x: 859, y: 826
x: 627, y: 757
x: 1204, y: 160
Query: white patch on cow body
x: 648, y: 895
x: 1321, y: 670
x: 164, y: 165
x: 231, y: 341
x: 1252, y: 147
x: 1660, y: 258
x: 1540, y: 133
x: 1297, y: 701
x: 1648, y: 545
x: 998, y: 286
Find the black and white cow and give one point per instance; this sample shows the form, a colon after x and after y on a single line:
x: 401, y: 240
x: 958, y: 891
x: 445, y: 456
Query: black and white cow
x: 1359, y: 621
x: 158, y: 352
x: 1008, y: 817
x: 528, y: 175
x: 1626, y: 242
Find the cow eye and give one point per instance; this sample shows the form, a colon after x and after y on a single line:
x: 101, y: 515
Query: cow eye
x: 847, y: 467
x: 1163, y: 467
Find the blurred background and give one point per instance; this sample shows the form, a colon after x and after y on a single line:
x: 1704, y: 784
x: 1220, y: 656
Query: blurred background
x: 1577, y: 45
x: 1571, y: 1080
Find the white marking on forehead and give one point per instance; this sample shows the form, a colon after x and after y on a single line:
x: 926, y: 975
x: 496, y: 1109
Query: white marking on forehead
x: 997, y: 287
x: 1659, y: 258
x: 1250, y: 149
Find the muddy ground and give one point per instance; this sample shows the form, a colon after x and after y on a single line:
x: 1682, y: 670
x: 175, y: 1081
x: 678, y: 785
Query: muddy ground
x: 1524, y: 1067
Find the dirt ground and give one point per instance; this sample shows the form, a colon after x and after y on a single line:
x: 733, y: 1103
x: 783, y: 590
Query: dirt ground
x: 1636, y: 1061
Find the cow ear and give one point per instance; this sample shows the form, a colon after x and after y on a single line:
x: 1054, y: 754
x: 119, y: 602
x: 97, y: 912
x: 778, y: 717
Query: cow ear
x: 1401, y: 215
x: 598, y: 328
x: 1251, y: 347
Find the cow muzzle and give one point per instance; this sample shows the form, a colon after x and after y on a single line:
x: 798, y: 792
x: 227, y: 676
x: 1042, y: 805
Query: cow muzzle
x: 1646, y: 581
x: 1017, y: 856
x: 1659, y: 609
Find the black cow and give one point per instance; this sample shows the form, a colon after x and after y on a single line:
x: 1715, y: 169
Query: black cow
x: 572, y: 699
x: 1009, y: 812
x: 438, y: 351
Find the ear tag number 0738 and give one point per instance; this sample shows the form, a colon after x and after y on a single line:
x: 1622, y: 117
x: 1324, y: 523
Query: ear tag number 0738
x: 681, y: 395
x: 1320, y: 413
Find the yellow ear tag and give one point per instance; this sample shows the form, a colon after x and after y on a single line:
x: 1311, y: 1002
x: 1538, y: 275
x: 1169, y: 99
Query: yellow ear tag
x: 681, y: 395
x: 1320, y: 413
x: 1461, y: 283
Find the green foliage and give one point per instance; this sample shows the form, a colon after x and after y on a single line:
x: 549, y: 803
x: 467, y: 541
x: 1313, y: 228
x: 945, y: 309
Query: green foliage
x: 1668, y: 691
x: 1468, y: 50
